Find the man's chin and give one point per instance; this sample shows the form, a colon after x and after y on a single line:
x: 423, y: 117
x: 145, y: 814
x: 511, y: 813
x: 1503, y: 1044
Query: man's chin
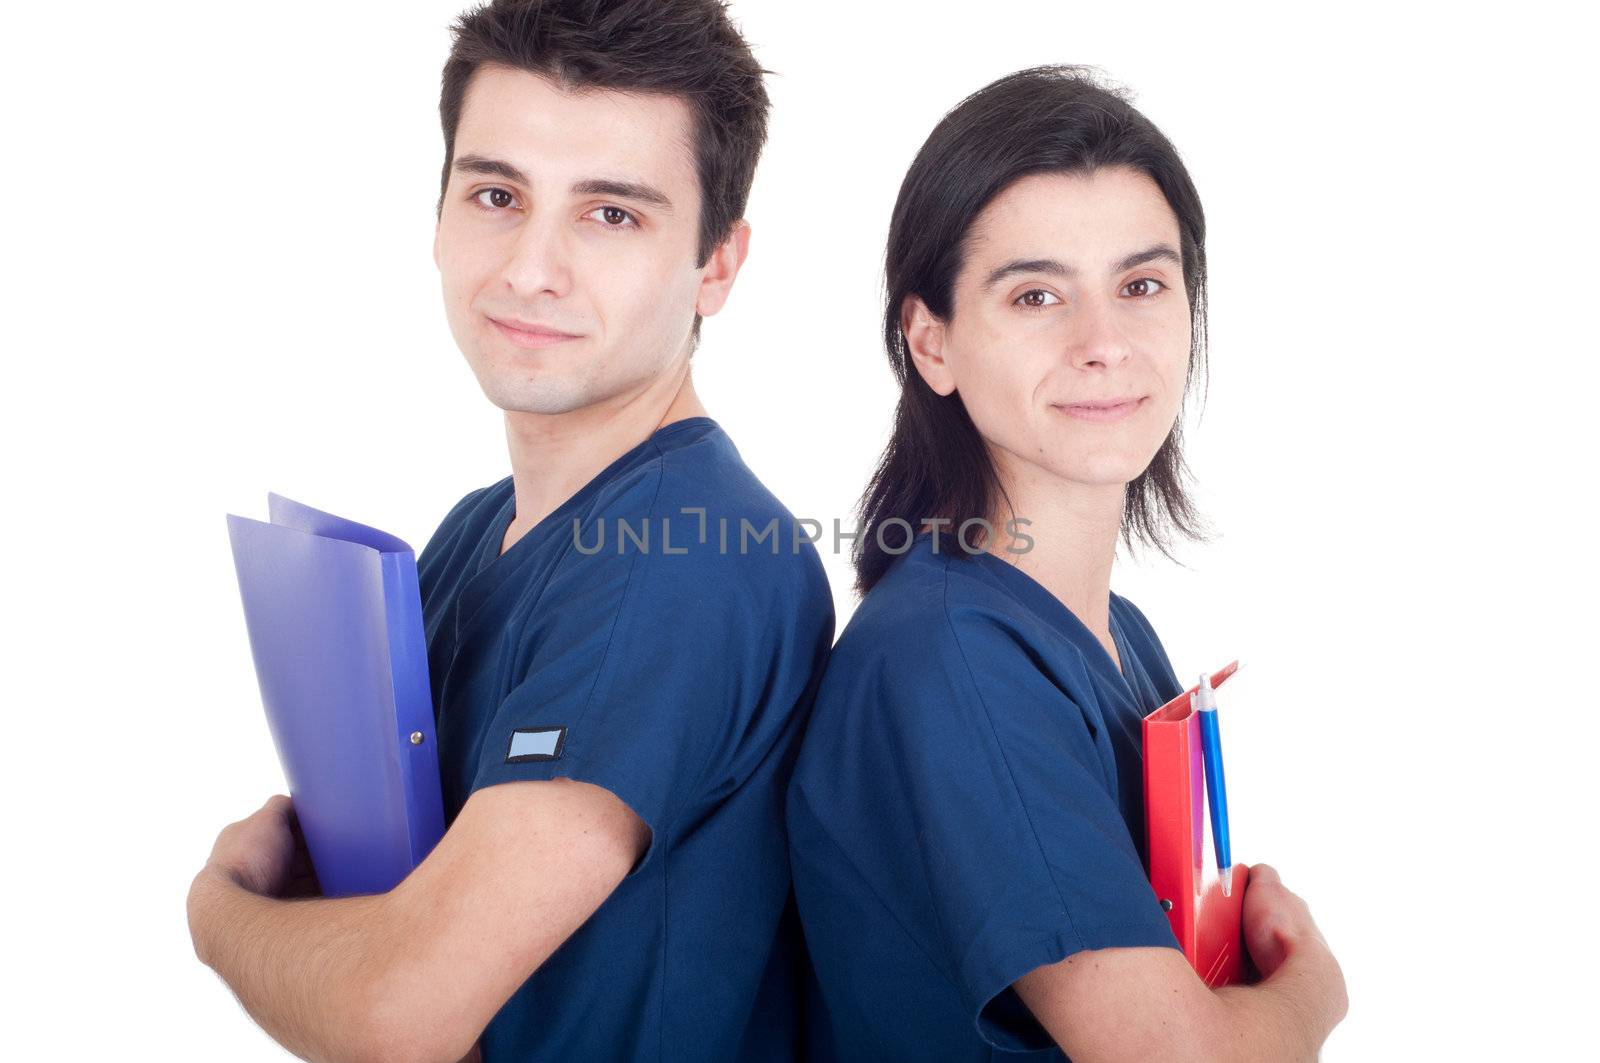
x: 545, y: 397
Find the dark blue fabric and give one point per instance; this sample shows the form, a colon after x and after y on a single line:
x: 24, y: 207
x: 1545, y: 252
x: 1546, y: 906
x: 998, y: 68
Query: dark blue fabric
x: 682, y: 672
x: 968, y: 806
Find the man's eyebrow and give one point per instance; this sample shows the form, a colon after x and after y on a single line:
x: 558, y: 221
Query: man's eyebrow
x: 1057, y: 268
x: 637, y: 191
x: 482, y: 164
x: 634, y: 190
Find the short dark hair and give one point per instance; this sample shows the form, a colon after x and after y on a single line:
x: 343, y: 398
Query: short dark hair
x: 686, y: 48
x: 1049, y: 119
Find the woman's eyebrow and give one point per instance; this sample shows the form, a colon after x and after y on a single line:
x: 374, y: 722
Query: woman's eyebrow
x: 1056, y: 268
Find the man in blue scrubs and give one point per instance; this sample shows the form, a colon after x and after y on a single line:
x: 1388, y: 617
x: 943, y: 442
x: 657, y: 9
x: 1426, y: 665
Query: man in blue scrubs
x: 624, y: 634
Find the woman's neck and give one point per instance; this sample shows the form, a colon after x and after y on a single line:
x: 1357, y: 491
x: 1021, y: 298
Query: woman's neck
x: 1074, y: 530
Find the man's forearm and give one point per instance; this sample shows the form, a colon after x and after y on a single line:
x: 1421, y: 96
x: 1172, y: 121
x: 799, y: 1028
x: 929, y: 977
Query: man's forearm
x: 1280, y: 1018
x: 304, y: 969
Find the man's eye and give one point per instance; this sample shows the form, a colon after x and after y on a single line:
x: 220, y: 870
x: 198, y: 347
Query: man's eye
x: 1145, y: 282
x: 612, y: 217
x: 499, y: 198
x: 1036, y: 297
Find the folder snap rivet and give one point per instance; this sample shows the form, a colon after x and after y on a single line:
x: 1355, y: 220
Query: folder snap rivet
x: 416, y: 738
x: 1166, y: 905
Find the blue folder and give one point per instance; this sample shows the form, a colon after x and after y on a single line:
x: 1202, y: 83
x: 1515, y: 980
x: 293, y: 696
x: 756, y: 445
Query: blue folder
x: 335, y: 623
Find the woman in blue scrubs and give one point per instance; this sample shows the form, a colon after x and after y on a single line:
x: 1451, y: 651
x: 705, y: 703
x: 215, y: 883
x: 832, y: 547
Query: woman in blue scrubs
x: 967, y: 807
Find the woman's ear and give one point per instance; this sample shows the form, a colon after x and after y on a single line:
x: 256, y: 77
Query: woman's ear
x: 925, y: 340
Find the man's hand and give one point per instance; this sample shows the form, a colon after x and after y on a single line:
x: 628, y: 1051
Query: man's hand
x: 305, y: 967
x: 266, y: 852
x: 419, y: 971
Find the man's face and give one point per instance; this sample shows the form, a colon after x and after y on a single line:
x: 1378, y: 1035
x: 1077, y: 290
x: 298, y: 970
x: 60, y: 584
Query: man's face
x: 567, y: 240
x: 1053, y: 308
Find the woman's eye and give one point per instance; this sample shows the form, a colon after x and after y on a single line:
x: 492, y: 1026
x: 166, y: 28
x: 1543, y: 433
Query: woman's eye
x: 499, y: 198
x: 1144, y: 284
x: 612, y: 217
x: 1037, y: 297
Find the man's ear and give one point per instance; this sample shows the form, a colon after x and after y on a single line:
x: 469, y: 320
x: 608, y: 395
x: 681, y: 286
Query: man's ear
x: 925, y: 339
x: 721, y: 268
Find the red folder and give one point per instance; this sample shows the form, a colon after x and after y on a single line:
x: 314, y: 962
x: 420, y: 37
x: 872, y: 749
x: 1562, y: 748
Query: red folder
x: 1183, y: 865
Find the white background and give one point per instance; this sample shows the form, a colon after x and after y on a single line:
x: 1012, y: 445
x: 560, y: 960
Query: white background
x: 218, y: 283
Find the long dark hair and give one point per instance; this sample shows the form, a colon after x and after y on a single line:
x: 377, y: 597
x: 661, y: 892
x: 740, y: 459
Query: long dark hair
x: 1049, y: 119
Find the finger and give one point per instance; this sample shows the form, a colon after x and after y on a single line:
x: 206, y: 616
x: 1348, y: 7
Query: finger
x: 282, y: 807
x: 1263, y: 873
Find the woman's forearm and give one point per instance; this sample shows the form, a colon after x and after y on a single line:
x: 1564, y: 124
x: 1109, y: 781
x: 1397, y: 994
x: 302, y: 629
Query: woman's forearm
x: 1286, y: 1016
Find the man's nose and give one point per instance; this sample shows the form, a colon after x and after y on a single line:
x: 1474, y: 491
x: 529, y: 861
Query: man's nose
x: 539, y: 262
x: 1098, y: 338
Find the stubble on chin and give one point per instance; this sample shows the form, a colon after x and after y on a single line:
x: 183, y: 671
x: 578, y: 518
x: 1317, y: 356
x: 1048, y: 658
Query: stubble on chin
x: 541, y: 396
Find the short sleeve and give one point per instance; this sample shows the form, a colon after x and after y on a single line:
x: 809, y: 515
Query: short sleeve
x: 1013, y: 836
x: 653, y: 674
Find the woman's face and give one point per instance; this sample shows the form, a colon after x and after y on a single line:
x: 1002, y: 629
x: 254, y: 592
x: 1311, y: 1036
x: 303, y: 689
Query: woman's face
x: 1069, y: 334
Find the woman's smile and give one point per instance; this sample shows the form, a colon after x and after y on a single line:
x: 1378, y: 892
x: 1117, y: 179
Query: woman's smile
x: 1102, y: 412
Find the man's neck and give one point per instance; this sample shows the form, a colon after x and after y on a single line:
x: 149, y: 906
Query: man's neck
x: 554, y: 455
x: 1074, y: 529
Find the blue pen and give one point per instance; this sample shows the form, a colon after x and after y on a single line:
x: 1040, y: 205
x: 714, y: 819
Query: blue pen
x: 1216, y: 788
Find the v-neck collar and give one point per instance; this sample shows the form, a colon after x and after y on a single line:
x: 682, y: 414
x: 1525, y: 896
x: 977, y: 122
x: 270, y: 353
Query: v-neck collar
x: 489, y: 555
x: 1033, y: 594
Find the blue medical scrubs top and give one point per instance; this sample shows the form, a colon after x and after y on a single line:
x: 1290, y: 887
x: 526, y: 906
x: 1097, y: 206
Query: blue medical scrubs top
x: 968, y: 806
x: 670, y: 659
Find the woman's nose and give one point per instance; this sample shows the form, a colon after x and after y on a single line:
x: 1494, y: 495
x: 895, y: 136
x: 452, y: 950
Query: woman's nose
x: 1097, y: 336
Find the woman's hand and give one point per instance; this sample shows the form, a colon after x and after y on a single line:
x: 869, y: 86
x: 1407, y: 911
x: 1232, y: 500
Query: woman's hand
x: 1277, y: 925
x: 1276, y: 921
